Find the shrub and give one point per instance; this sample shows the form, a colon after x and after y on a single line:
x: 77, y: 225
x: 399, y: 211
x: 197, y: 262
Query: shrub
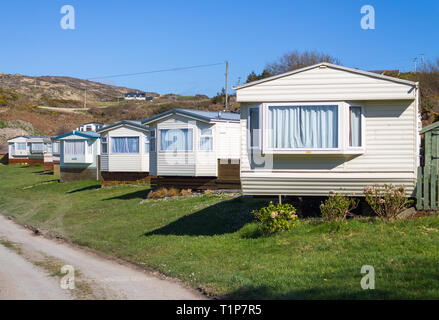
x: 158, y: 194
x: 386, y: 201
x: 173, y: 192
x: 273, y: 218
x: 185, y: 192
x: 337, y: 207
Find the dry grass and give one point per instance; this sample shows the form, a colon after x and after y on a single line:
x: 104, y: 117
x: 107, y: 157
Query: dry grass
x: 185, y: 192
x: 158, y: 194
x: 173, y: 192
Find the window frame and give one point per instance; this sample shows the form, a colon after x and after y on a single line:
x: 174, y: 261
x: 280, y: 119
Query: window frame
x: 340, y: 128
x: 153, y: 140
x: 124, y: 153
x: 104, y: 141
x: 210, y: 136
x: 348, y: 147
x: 182, y: 151
x: 259, y: 147
x: 20, y: 143
x: 75, y: 140
x: 146, y: 143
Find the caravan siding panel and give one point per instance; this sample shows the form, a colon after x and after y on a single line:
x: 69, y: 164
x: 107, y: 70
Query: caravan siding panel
x: 176, y: 164
x: 325, y: 84
x: 320, y: 184
x: 128, y: 162
x: 104, y: 162
x: 390, y: 157
x: 229, y: 140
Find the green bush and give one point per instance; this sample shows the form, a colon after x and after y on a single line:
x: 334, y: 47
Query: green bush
x: 337, y: 207
x: 273, y: 218
x: 386, y: 201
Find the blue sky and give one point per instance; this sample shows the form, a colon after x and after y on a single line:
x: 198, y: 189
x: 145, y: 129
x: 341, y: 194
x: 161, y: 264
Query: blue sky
x: 114, y: 37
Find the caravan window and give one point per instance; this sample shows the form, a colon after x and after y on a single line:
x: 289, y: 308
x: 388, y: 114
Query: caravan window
x: 37, y: 146
x: 74, y: 147
x: 206, y: 140
x: 303, y: 127
x: 254, y: 128
x: 125, y: 144
x: 176, y: 140
x: 355, y: 127
x: 104, y: 145
x: 20, y: 146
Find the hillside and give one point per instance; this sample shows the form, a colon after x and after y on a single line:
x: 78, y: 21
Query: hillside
x: 58, y: 91
x: 50, y: 104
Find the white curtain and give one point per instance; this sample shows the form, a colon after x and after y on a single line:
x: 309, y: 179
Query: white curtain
x: 254, y: 127
x: 355, y: 127
x: 55, y: 147
x: 74, y: 147
x: 176, y: 140
x: 303, y: 127
x: 125, y: 144
x: 38, y: 146
x: 21, y: 145
x: 206, y: 140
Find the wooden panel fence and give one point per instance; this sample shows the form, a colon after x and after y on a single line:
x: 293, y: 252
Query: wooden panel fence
x: 427, y: 183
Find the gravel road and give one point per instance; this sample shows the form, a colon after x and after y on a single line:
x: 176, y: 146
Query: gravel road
x: 28, y: 272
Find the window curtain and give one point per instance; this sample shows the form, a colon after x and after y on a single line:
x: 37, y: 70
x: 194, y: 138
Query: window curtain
x: 125, y: 144
x: 254, y: 127
x: 74, y: 147
x: 38, y: 146
x: 176, y: 140
x: 303, y: 127
x: 355, y: 127
x: 206, y: 144
x: 206, y: 140
x: 55, y: 147
x: 21, y: 146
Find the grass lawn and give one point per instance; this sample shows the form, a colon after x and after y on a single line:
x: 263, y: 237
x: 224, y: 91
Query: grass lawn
x: 210, y: 241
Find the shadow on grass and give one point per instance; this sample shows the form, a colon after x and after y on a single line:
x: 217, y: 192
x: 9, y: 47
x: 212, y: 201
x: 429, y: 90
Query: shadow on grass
x: 220, y: 218
x: 92, y: 187
x: 141, y: 194
x: 317, y: 293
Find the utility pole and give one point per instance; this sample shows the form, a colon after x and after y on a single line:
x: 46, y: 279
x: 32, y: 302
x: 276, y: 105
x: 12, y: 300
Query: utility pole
x: 227, y: 76
x: 422, y: 59
x: 415, y: 60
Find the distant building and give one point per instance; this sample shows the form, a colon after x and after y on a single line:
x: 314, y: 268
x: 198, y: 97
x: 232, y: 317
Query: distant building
x: 91, y: 126
x: 137, y: 96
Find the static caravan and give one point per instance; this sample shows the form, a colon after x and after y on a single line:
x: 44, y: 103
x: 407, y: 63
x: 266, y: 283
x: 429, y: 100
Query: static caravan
x: 51, y: 153
x: 194, y: 149
x: 27, y: 149
x: 124, y: 153
x: 90, y: 126
x: 18, y: 150
x: 328, y: 127
x: 79, y: 153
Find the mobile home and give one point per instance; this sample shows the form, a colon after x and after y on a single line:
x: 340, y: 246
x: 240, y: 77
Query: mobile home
x: 27, y: 150
x: 79, y: 156
x: 124, y: 153
x: 328, y: 127
x: 194, y: 149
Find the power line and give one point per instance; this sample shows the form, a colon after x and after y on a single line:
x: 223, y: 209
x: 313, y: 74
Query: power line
x: 157, y: 71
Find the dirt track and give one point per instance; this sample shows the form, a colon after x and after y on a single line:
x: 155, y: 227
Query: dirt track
x: 98, y: 277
